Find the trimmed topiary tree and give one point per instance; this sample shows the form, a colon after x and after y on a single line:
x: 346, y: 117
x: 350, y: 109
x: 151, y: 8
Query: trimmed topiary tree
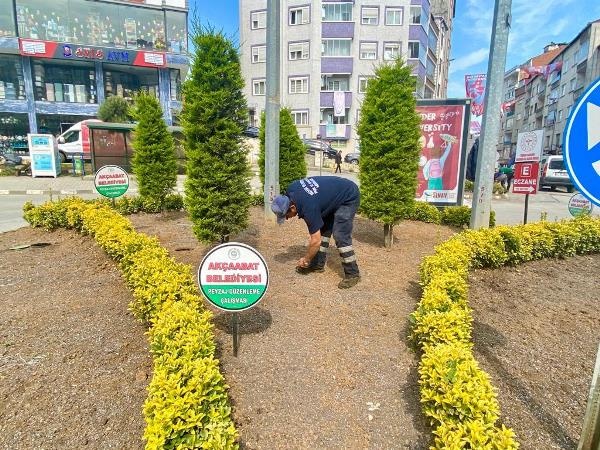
x: 292, y: 165
x: 154, y: 162
x: 114, y: 109
x: 389, y: 146
x: 217, y: 189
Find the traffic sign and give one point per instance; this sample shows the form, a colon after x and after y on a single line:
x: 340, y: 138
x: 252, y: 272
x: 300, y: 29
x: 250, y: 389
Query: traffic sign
x: 529, y: 146
x: 111, y: 181
x: 525, y: 179
x: 582, y: 144
x: 233, y: 276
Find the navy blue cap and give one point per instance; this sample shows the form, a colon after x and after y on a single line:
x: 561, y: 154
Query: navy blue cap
x: 280, y: 206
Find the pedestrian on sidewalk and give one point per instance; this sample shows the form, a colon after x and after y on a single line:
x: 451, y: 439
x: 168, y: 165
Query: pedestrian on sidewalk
x: 338, y: 161
x: 328, y: 206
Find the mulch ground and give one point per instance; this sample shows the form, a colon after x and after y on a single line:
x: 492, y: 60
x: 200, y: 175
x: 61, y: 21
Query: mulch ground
x: 318, y: 367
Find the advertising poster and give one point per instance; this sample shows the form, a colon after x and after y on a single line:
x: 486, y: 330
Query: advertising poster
x: 475, y: 90
x: 444, y: 126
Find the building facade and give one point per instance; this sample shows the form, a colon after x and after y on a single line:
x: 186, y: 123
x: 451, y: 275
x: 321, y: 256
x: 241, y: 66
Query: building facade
x: 544, y: 101
x: 60, y: 59
x: 330, y: 49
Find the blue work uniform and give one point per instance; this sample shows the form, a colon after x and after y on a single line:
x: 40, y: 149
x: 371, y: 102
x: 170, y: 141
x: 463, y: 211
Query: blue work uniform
x: 328, y: 204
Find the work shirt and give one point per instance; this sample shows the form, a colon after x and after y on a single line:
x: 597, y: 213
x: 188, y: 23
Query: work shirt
x: 319, y: 197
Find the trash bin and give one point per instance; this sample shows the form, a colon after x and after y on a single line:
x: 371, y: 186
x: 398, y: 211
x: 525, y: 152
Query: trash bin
x: 78, y: 168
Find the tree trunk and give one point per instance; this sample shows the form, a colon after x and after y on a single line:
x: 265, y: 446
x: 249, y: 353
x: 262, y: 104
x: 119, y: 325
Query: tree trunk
x: 388, y: 235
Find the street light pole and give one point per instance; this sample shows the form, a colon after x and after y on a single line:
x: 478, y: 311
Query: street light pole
x: 271, y: 188
x: 486, y: 157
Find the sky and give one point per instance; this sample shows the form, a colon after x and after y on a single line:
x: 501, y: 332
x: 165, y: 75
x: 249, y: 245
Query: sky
x: 535, y: 23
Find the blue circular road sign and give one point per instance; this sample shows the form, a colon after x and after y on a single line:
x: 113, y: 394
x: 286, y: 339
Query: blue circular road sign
x: 582, y: 144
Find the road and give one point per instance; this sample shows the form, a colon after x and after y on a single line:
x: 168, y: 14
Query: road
x: 509, y: 210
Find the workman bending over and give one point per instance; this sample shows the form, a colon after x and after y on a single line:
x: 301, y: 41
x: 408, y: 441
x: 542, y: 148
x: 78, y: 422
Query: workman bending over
x: 328, y: 206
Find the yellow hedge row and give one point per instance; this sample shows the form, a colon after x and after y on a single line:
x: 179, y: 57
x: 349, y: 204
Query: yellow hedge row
x: 187, y: 405
x: 456, y: 394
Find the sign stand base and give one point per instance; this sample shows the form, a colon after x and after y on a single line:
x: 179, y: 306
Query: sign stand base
x: 235, y: 332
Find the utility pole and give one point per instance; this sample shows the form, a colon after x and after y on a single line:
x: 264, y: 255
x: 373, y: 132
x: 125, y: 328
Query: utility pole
x: 486, y: 157
x: 273, y: 104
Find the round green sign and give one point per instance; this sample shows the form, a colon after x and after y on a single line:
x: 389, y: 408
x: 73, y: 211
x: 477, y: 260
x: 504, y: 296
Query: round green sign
x: 580, y: 206
x: 233, y: 276
x: 111, y: 181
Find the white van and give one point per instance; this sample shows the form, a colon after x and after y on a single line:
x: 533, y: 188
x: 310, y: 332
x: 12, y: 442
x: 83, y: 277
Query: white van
x: 75, y: 141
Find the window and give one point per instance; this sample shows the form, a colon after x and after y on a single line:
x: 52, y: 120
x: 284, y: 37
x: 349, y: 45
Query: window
x: 125, y: 81
x: 12, y: 84
x: 430, y: 68
x: 298, y: 50
x: 563, y: 89
x: 569, y: 110
x: 336, y: 47
x: 259, y: 54
x: 391, y: 51
x: 71, y: 136
x: 362, y: 84
x: 328, y: 116
x: 413, y: 50
x: 175, y: 84
x: 258, y: 87
x: 299, y: 16
x: 7, y: 25
x: 99, y: 23
x: 337, y: 12
x: 258, y: 20
x: 369, y: 16
x: 560, y: 114
x: 582, y: 53
x: 393, y: 16
x: 368, y: 50
x: 432, y: 41
x: 565, y: 66
x: 176, y: 31
x: 65, y: 82
x: 415, y: 15
x: 335, y: 83
x: 298, y: 85
x: 573, y: 84
x: 300, y: 117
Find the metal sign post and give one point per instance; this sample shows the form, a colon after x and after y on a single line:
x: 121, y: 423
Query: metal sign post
x: 590, y: 434
x: 233, y: 277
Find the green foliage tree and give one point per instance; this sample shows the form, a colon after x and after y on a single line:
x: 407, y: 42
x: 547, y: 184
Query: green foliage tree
x: 114, y: 109
x: 389, y: 140
x: 292, y: 165
x: 214, y: 115
x: 154, y: 162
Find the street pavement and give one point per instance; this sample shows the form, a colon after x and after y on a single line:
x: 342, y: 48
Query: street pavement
x: 15, y: 191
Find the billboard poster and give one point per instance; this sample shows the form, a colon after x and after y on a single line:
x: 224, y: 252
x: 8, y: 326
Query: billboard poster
x: 475, y: 89
x: 444, y: 127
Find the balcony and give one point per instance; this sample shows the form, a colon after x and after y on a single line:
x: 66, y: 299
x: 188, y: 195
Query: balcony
x: 582, y: 66
x: 327, y: 99
x: 337, y: 30
x: 577, y: 93
x: 336, y: 131
x: 337, y: 64
x: 539, y: 113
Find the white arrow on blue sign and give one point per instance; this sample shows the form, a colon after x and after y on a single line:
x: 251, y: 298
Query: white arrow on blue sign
x: 582, y: 144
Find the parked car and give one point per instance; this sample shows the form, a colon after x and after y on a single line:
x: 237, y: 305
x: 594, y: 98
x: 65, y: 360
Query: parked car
x: 553, y: 173
x: 352, y: 158
x: 251, y: 132
x: 316, y: 144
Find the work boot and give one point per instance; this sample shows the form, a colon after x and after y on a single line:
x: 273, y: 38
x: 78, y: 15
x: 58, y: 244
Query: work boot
x: 309, y: 269
x: 349, y: 282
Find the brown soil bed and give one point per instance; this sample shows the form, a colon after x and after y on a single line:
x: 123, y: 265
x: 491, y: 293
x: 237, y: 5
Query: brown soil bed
x: 318, y: 367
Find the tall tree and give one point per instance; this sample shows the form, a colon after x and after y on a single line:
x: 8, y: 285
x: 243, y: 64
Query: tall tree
x: 292, y: 165
x: 114, y: 109
x: 217, y: 189
x: 389, y: 141
x: 154, y: 162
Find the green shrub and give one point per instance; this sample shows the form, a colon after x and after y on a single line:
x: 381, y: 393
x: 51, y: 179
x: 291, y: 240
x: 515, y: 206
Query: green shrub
x: 469, y: 185
x: 423, y: 212
x: 457, y: 216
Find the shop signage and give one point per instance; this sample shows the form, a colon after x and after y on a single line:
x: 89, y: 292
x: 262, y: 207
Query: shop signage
x: 525, y: 180
x: 233, y: 276
x: 580, y: 206
x: 58, y: 50
x: 111, y: 181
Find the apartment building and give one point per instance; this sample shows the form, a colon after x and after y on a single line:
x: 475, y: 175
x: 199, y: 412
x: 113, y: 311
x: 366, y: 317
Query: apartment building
x: 329, y: 51
x: 545, y: 101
